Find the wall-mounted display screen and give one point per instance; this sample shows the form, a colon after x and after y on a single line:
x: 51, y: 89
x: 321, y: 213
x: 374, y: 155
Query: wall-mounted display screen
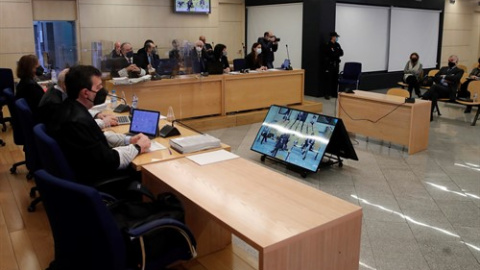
x: 192, y: 6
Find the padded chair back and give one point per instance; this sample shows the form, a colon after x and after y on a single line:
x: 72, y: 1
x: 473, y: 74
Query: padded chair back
x: 84, y: 231
x: 26, y: 124
x: 352, y: 71
x: 398, y: 92
x: 465, y: 69
x: 474, y: 87
x: 52, y: 158
x: 239, y: 64
x: 17, y: 134
x: 433, y: 72
x: 6, y: 79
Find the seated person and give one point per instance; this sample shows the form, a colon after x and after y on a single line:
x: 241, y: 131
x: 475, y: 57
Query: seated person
x: 254, y: 60
x: 116, y: 52
x: 28, y: 69
x: 126, y: 66
x: 147, y: 57
x: 219, y: 62
x: 445, y: 83
x: 464, y: 93
x: 92, y: 154
x: 411, y: 74
x: 175, y: 57
x: 199, y: 58
x: 56, y: 94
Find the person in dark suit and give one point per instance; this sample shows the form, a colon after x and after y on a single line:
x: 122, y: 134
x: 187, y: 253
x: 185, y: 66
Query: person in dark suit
x: 28, y: 69
x: 147, y: 57
x: 446, y: 83
x: 116, y: 52
x: 208, y: 47
x: 332, y: 53
x: 127, y: 66
x: 92, y: 154
x: 219, y: 61
x: 269, y: 47
x: 199, y: 58
x: 254, y: 60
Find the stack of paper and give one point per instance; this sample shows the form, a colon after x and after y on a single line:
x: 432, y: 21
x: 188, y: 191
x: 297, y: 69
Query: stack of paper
x: 194, y: 143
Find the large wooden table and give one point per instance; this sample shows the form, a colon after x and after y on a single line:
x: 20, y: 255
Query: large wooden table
x: 195, y: 96
x: 403, y: 123
x: 291, y: 225
x: 162, y: 155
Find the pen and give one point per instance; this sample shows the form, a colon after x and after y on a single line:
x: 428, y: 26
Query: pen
x: 169, y: 150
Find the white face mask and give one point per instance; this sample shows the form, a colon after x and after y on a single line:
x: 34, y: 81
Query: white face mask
x: 259, y: 51
x: 199, y: 49
x: 224, y: 53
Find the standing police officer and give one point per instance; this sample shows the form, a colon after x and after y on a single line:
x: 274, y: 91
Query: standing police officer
x: 332, y: 54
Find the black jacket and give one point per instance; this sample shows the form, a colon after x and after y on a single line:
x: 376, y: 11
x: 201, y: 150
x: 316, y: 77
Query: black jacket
x: 83, y: 143
x: 452, y: 77
x: 251, y: 63
x: 32, y: 92
x: 268, y: 49
x: 332, y: 53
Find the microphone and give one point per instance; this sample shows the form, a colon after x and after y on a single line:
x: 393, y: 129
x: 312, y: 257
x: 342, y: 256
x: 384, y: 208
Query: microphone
x: 121, y: 107
x: 288, y: 67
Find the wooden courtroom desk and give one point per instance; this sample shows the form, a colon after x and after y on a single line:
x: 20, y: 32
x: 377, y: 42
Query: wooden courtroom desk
x: 260, y: 90
x: 196, y: 96
x: 162, y: 155
x: 404, y: 123
x: 292, y: 225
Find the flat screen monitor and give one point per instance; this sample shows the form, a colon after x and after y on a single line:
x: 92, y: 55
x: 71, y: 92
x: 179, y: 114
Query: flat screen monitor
x: 192, y: 6
x: 296, y: 137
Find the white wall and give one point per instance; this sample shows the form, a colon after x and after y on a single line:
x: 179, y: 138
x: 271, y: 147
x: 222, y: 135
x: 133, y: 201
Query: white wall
x: 285, y: 21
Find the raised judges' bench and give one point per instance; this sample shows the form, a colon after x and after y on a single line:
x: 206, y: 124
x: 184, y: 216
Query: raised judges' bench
x: 292, y: 226
x: 219, y: 101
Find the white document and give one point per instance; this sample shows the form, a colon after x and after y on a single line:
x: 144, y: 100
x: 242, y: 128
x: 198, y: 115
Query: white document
x: 212, y: 157
x: 155, y: 146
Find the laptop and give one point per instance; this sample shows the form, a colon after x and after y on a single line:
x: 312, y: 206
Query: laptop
x: 144, y: 121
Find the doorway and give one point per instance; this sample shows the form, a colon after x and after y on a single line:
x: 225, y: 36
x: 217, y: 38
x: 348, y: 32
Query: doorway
x: 55, y: 44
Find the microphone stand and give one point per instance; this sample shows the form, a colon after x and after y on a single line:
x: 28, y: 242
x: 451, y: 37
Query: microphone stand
x: 288, y: 57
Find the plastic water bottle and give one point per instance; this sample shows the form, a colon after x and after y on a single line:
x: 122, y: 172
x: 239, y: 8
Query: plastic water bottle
x: 134, y: 102
x: 54, y: 76
x: 475, y: 96
x: 113, y: 99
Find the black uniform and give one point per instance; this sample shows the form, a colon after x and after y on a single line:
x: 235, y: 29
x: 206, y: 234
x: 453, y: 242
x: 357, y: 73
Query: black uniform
x: 332, y: 53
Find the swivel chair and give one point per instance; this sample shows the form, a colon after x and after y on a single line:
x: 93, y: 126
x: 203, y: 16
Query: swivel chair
x: 350, y: 76
x: 18, y: 137
x: 86, y: 236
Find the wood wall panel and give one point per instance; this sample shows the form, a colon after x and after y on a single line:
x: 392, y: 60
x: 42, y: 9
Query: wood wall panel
x: 16, y: 40
x: 54, y: 10
x: 16, y: 15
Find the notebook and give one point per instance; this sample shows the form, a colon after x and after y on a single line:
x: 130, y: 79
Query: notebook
x: 144, y: 121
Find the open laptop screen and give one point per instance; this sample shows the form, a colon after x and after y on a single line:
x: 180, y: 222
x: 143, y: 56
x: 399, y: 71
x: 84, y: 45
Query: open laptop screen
x: 144, y: 121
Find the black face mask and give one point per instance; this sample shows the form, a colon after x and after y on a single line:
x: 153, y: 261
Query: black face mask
x: 414, y: 60
x: 129, y: 54
x: 451, y: 64
x: 100, y: 97
x: 39, y: 71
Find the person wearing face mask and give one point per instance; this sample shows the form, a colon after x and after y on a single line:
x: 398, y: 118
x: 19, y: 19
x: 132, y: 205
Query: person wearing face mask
x: 92, y: 154
x: 199, y: 58
x: 218, y: 64
x: 147, y: 56
x: 269, y: 47
x: 28, y: 69
x: 332, y: 53
x: 411, y: 74
x: 127, y: 66
x: 445, y: 83
x: 254, y: 60
x: 464, y: 93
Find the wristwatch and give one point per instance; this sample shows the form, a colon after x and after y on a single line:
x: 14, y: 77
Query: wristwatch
x: 138, y: 148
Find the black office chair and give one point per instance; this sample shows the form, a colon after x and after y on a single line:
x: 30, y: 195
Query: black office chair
x: 350, y: 76
x: 86, y: 236
x: 18, y: 138
x: 239, y: 64
x: 6, y: 81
